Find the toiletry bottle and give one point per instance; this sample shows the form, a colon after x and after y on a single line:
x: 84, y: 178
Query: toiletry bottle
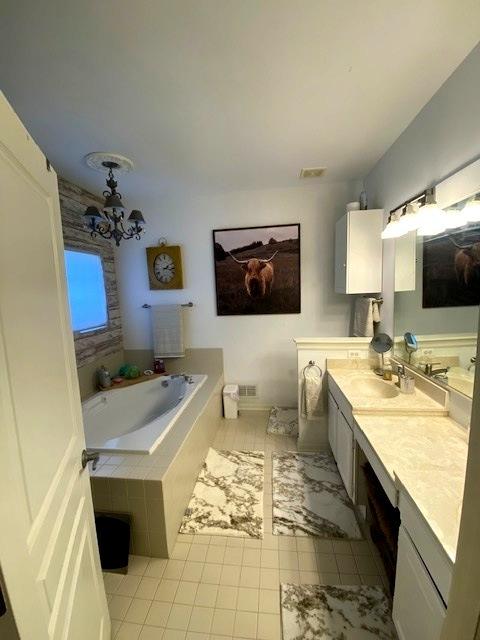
x: 104, y: 379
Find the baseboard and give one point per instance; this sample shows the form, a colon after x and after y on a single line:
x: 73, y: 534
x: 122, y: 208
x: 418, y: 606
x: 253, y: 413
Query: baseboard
x: 248, y: 406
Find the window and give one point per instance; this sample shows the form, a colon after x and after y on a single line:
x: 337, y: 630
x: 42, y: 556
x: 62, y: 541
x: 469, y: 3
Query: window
x: 86, y: 290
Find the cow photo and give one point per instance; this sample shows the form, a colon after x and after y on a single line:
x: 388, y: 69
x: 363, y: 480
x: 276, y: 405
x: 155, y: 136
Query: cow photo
x: 451, y: 268
x: 257, y: 270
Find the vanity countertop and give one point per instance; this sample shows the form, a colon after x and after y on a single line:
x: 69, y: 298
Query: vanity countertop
x: 417, y: 403
x: 427, y: 458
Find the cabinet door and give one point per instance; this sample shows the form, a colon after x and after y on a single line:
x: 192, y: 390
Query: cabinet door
x: 344, y: 448
x: 364, y: 251
x: 341, y: 255
x: 332, y: 424
x: 418, y: 610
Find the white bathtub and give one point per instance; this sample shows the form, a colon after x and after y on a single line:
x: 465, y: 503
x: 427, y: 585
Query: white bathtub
x: 135, y: 419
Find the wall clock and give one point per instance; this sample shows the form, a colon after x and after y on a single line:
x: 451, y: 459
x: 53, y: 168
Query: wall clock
x: 165, y: 267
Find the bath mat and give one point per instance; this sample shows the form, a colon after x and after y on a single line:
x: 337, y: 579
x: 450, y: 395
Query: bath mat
x: 309, y: 498
x: 324, y: 612
x: 283, y: 421
x: 228, y: 497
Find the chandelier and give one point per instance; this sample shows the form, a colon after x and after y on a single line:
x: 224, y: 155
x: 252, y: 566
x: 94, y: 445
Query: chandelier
x: 110, y: 222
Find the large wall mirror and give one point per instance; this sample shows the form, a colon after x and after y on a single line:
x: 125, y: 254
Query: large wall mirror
x: 437, y: 290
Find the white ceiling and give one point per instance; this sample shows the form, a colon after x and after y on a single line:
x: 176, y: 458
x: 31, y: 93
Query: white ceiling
x: 226, y: 94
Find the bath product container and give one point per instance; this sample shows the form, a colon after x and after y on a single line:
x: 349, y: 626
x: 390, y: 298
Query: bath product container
x: 104, y: 379
x: 113, y: 535
x: 230, y: 401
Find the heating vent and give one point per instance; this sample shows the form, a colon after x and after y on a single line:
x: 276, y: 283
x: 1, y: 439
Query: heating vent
x: 248, y: 391
x: 312, y: 172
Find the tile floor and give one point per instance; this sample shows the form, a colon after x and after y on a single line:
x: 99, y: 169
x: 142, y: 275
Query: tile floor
x: 221, y: 588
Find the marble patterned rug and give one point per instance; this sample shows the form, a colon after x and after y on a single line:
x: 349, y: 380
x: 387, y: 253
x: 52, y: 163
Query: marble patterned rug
x: 326, y: 612
x: 228, y: 496
x: 283, y: 421
x: 309, y: 498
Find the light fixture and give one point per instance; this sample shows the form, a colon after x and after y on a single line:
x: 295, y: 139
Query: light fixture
x: 110, y: 222
x: 453, y: 218
x: 431, y: 217
x: 471, y: 211
x: 410, y: 219
x: 394, y: 228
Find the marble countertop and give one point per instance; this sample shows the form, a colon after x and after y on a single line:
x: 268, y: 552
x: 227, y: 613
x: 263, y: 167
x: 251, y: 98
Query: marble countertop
x: 417, y: 403
x: 427, y: 457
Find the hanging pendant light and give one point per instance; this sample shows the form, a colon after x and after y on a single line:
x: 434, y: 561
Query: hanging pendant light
x: 111, y: 223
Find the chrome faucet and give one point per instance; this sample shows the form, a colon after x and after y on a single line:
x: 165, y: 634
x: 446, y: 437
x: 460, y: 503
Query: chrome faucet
x: 473, y: 362
x: 430, y: 371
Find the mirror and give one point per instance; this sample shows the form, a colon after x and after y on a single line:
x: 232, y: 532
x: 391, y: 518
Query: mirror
x: 437, y: 293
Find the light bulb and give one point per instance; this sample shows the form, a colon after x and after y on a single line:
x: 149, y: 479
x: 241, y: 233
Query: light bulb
x: 431, y: 217
x: 471, y: 211
x: 453, y: 218
x: 394, y: 229
x: 410, y: 219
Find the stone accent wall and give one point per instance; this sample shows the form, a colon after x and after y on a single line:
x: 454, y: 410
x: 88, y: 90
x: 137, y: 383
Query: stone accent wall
x: 95, y: 345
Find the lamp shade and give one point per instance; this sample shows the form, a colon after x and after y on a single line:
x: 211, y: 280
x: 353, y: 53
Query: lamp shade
x: 112, y: 201
x: 136, y: 216
x: 92, y: 212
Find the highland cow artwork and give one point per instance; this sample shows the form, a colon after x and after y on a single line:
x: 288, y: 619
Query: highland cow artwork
x: 257, y: 270
x: 451, y: 268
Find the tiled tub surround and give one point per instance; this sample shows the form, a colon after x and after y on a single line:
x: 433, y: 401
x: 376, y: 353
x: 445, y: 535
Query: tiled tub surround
x: 155, y: 489
x: 309, y: 498
x: 221, y: 587
x: 427, y: 457
x: 228, y: 495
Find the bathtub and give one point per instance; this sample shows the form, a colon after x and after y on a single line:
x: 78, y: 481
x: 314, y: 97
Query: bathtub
x: 136, y: 419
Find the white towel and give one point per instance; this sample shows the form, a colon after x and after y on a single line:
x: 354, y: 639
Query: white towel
x: 167, y: 327
x: 312, y: 399
x: 367, y: 311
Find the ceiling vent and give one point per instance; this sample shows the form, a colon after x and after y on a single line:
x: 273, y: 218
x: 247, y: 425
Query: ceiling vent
x: 247, y: 391
x: 312, y: 172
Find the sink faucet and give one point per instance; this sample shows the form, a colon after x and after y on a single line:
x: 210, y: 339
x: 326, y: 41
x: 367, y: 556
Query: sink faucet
x: 473, y: 362
x: 430, y: 371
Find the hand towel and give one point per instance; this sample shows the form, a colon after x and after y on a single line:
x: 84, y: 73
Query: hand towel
x: 367, y: 312
x: 167, y: 327
x: 312, y: 399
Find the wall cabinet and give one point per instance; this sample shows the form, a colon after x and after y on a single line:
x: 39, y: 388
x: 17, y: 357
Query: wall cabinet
x: 418, y: 611
x: 358, y: 252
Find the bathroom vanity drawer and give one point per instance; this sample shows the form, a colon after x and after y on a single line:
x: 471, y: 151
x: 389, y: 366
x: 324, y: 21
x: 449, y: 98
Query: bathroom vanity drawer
x: 383, y: 477
x: 433, y: 555
x: 418, y: 610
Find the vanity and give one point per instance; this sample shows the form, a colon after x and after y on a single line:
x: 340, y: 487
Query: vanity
x: 418, y: 455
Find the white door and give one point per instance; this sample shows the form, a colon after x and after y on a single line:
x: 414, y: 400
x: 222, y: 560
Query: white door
x: 48, y: 549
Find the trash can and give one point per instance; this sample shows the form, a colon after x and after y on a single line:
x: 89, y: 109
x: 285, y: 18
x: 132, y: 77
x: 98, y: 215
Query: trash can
x: 113, y: 535
x: 230, y: 401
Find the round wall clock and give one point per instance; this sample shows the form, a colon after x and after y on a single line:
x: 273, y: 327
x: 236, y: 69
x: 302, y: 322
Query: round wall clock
x: 165, y: 267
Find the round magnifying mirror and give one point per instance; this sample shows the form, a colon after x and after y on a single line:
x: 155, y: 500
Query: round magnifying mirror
x: 381, y: 343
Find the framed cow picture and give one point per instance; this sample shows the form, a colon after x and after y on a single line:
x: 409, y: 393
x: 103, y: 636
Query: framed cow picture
x: 257, y: 270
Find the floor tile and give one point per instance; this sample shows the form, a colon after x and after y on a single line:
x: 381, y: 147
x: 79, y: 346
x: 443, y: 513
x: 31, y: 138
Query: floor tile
x: 247, y: 599
x: 245, y: 624
x: 129, y: 631
x: 166, y: 590
x: 158, y: 614
x: 147, y: 588
x: 151, y: 633
x: 179, y: 617
x: 137, y: 611
x: 201, y: 619
x: 223, y: 622
x: 118, y: 606
x: 186, y: 592
x: 206, y: 595
x: 227, y: 597
x: 268, y: 626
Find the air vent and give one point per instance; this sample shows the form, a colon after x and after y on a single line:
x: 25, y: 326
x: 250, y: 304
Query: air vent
x: 248, y: 391
x: 312, y: 172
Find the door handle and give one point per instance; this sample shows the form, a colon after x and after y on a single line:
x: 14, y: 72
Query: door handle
x: 90, y: 456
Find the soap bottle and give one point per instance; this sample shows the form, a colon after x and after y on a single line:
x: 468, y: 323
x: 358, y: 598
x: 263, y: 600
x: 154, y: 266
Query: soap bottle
x: 104, y: 379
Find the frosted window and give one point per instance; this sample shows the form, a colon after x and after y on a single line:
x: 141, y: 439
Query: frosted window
x: 86, y: 290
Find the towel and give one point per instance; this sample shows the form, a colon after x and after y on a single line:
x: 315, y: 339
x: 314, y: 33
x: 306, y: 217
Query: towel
x: 367, y: 312
x: 167, y: 327
x: 312, y: 399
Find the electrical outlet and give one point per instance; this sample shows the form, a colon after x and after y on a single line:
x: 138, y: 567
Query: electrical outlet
x: 427, y: 352
x: 353, y: 354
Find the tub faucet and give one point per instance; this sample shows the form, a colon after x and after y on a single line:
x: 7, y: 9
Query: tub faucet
x: 473, y: 362
x: 430, y: 371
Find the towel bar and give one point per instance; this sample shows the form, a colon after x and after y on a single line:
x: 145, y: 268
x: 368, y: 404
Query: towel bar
x: 149, y: 306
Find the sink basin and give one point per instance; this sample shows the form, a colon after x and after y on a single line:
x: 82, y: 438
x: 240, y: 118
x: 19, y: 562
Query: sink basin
x: 369, y: 388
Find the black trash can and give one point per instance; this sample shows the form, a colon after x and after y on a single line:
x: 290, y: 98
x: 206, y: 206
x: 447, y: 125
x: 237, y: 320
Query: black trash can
x: 113, y: 535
